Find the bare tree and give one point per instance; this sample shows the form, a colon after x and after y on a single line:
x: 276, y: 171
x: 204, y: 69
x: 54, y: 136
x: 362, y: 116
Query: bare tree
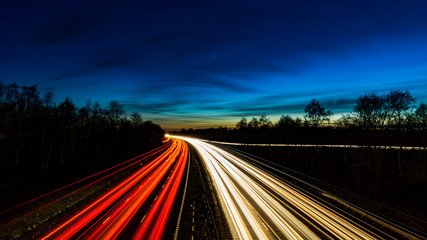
x: 253, y: 123
x: 115, y: 112
x: 136, y: 119
x: 67, y: 112
x: 397, y: 104
x: 420, y: 120
x: 370, y: 111
x: 286, y: 121
x: 346, y: 121
x: 67, y: 115
x: 48, y: 98
x: 47, y: 141
x: 316, y: 114
x: 242, y: 124
x: 264, y: 122
x: 2, y: 92
x: 420, y: 116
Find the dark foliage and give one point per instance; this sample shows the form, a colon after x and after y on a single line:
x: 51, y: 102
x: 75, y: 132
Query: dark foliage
x: 44, y: 145
x: 316, y: 113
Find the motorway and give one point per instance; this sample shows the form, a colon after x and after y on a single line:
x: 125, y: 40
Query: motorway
x: 137, y: 208
x: 260, y: 205
x: 257, y: 203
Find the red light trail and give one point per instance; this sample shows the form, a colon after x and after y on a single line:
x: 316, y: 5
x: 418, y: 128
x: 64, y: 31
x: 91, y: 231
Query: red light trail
x: 85, y: 182
x: 154, y: 223
x: 108, y: 215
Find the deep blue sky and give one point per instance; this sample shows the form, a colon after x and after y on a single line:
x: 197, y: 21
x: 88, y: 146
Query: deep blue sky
x: 209, y: 63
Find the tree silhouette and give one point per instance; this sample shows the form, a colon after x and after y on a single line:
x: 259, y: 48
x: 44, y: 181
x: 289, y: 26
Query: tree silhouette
x: 136, y: 119
x: 316, y: 113
x: 397, y: 104
x: 370, y: 111
x: 379, y: 111
x: 42, y: 141
x: 287, y: 121
x: 242, y: 124
x: 420, y: 121
x: 114, y: 113
x: 67, y: 112
x: 253, y: 123
x: 421, y: 116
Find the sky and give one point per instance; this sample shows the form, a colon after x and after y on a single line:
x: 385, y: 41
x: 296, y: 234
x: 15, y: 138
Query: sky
x: 207, y: 63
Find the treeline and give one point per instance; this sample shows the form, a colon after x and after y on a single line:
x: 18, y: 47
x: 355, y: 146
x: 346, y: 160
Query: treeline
x: 371, y: 111
x: 44, y: 141
x: 388, y: 119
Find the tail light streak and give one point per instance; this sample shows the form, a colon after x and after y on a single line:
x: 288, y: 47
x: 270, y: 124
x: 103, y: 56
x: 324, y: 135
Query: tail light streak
x: 107, y: 216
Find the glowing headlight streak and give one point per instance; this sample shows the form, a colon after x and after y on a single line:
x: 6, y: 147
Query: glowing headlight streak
x: 107, y: 216
x: 257, y: 203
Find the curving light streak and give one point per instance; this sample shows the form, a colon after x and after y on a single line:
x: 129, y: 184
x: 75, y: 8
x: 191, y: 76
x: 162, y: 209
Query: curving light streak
x: 105, y: 174
x: 260, y: 206
x: 107, y: 216
x: 154, y: 223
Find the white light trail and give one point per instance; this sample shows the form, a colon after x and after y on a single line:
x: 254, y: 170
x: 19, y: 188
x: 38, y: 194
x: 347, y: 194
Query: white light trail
x: 261, y: 206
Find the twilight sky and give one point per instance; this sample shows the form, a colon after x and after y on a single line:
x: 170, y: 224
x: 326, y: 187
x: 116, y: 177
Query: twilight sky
x: 209, y: 63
